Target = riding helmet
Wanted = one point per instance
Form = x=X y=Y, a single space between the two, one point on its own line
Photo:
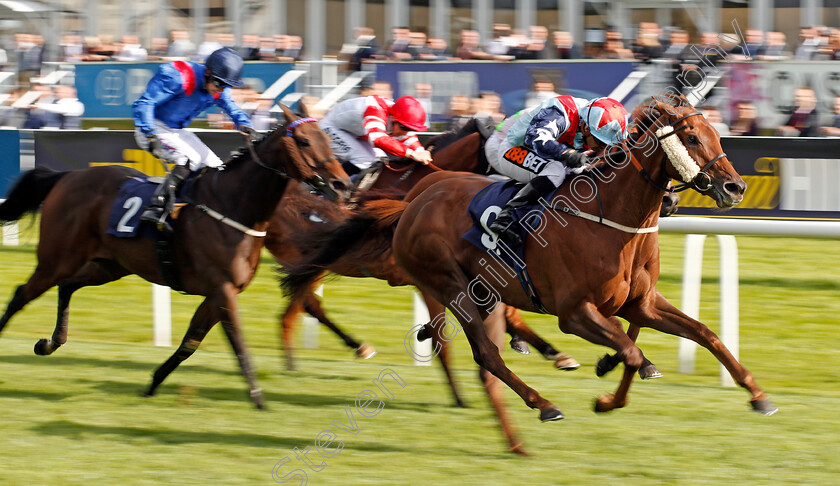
x=607 y=120
x=225 y=65
x=410 y=113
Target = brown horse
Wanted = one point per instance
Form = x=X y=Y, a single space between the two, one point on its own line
x=593 y=257
x=215 y=257
x=302 y=217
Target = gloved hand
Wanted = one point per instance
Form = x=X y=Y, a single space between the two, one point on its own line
x=420 y=155
x=248 y=132
x=155 y=147
x=574 y=159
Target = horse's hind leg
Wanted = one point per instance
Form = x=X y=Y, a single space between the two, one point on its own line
x=435 y=330
x=664 y=317
x=495 y=325
x=288 y=322
x=91 y=274
x=39 y=282
x=312 y=305
x=516 y=325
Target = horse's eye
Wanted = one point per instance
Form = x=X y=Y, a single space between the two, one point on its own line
x=303 y=143
x=693 y=140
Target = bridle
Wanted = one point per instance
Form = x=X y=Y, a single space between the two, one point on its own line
x=316 y=180
x=702 y=181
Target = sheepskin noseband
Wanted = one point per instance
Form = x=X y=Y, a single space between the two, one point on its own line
x=687 y=167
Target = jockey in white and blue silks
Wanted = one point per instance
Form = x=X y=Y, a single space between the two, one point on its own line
x=176 y=94
x=539 y=145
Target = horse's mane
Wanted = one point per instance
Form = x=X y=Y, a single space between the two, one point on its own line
x=243 y=153
x=451 y=136
x=648 y=111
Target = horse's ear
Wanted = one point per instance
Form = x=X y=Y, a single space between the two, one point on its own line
x=289 y=114
x=304 y=112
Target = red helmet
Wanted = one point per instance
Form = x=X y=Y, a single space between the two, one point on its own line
x=410 y=113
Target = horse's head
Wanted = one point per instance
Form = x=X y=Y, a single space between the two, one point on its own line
x=309 y=156
x=691 y=147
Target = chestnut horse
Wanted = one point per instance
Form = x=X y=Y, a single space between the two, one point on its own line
x=593 y=258
x=302 y=216
x=216 y=256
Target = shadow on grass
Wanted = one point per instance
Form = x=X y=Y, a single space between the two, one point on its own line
x=75 y=430
x=70 y=361
x=40 y=395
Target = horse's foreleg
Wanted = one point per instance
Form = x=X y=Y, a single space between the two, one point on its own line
x=516 y=325
x=231 y=325
x=205 y=317
x=486 y=355
x=91 y=274
x=608 y=362
x=663 y=316
x=588 y=323
x=435 y=332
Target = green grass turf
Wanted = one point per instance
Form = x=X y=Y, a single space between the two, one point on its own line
x=76 y=417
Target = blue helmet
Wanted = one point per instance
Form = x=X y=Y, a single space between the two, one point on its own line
x=225 y=65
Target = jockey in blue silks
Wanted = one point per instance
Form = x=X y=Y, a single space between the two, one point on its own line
x=539 y=145
x=177 y=93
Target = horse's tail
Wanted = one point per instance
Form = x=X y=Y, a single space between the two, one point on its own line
x=28 y=193
x=373 y=223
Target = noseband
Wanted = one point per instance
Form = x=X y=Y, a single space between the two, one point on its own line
x=702 y=175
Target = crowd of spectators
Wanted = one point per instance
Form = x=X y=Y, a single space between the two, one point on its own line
x=672 y=47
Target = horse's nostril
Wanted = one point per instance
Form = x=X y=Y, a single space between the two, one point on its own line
x=338 y=186
x=735 y=188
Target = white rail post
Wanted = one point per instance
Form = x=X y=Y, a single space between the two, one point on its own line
x=311 y=325
x=11 y=234
x=162 y=310
x=421 y=316
x=692 y=279
x=729 y=310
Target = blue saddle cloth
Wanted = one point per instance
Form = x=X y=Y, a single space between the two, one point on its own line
x=484 y=208
x=124 y=221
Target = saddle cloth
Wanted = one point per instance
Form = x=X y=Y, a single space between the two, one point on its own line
x=484 y=208
x=135 y=194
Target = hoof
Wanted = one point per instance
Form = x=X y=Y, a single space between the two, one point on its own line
x=257 y=397
x=550 y=413
x=365 y=351
x=606 y=364
x=519 y=449
x=649 y=372
x=519 y=346
x=764 y=406
x=605 y=403
x=147 y=393
x=460 y=403
x=565 y=362
x=424 y=333
x=42 y=347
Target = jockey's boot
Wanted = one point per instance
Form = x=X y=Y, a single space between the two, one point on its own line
x=539 y=186
x=163 y=199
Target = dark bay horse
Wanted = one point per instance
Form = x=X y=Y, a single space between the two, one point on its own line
x=214 y=259
x=588 y=270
